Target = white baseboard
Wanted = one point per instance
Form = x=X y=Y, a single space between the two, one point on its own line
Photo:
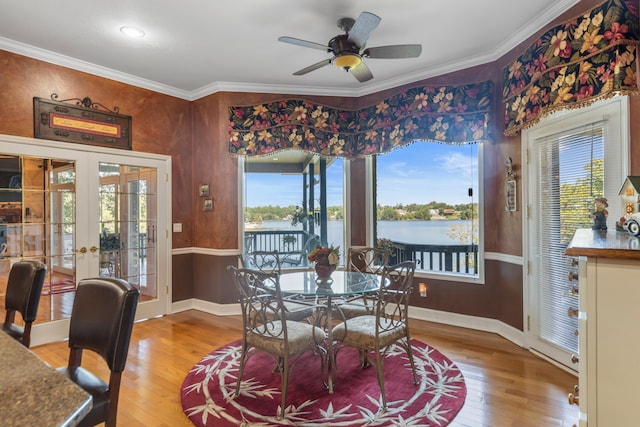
x=471 y=322
x=207 y=307
x=184 y=305
x=464 y=321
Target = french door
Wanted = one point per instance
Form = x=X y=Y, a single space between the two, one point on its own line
x=572 y=159
x=86 y=212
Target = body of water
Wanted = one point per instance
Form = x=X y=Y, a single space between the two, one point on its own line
x=415 y=232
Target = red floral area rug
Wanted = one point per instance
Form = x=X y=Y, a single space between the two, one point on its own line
x=208 y=391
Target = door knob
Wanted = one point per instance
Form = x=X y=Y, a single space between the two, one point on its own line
x=82 y=250
x=93 y=249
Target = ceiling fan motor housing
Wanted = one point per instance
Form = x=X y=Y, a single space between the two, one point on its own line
x=342 y=47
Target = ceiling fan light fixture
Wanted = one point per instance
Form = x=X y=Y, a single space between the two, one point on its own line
x=347 y=61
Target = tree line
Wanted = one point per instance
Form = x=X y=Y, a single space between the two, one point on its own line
x=399 y=212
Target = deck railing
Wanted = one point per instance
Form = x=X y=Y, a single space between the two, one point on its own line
x=437 y=258
x=294 y=245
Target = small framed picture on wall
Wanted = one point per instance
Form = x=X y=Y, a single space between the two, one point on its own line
x=207 y=205
x=204 y=190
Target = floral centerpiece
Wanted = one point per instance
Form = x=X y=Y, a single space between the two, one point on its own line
x=326 y=260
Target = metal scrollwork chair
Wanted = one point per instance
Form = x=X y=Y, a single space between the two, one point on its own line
x=364 y=260
x=269 y=262
x=24 y=287
x=102 y=319
x=374 y=334
x=367 y=260
x=266 y=328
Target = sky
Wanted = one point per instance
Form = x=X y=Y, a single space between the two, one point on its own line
x=419 y=173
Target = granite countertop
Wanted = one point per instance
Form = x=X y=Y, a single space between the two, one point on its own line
x=604 y=244
x=32 y=393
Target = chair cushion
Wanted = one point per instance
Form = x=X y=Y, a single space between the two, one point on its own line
x=297 y=311
x=360 y=332
x=294 y=311
x=96 y=387
x=302 y=337
x=349 y=310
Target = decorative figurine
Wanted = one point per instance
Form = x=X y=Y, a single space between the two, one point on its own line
x=600 y=214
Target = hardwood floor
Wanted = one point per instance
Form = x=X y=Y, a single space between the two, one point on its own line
x=507 y=385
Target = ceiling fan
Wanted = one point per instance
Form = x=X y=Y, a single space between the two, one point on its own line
x=349 y=49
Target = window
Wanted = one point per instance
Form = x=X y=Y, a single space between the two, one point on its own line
x=283 y=205
x=427 y=206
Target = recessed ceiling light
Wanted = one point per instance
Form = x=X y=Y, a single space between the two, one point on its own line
x=132 y=32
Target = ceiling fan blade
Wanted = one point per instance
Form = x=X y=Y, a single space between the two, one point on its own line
x=359 y=33
x=303 y=43
x=313 y=67
x=393 y=52
x=361 y=72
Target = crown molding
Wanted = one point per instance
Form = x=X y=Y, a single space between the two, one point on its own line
x=87 y=67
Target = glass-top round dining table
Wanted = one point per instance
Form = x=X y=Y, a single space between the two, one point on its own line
x=341 y=285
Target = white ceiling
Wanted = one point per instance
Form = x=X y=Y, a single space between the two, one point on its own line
x=193 y=48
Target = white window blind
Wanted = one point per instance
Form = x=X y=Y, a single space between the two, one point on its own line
x=570 y=176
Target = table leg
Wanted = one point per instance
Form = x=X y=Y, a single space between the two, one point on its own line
x=331 y=363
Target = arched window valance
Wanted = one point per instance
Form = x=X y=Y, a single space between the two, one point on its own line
x=446 y=114
x=571 y=65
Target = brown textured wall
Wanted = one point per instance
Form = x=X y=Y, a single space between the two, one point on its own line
x=500 y=297
x=161 y=124
x=182 y=277
x=358 y=203
x=211 y=279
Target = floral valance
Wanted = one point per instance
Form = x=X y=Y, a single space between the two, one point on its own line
x=573 y=64
x=446 y=114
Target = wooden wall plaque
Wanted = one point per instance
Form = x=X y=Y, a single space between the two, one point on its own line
x=81 y=123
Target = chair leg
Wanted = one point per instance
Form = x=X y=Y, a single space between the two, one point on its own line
x=363 y=358
x=26 y=335
x=243 y=359
x=409 y=350
x=284 y=378
x=114 y=392
x=380 y=375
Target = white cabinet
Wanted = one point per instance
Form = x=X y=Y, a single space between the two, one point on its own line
x=609 y=320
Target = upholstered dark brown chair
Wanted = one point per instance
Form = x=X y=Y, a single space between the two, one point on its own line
x=23 y=296
x=101 y=321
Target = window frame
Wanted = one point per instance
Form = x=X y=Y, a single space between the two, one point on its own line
x=371 y=222
x=346 y=191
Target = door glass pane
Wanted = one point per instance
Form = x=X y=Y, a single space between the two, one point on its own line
x=128 y=225
x=37 y=205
